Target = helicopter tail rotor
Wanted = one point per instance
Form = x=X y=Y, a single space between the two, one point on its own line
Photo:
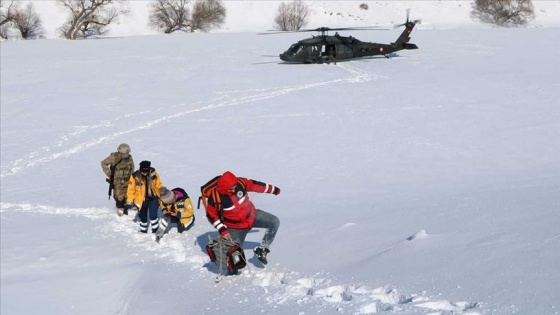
x=408 y=22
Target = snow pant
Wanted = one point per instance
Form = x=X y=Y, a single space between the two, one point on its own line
x=149 y=210
x=169 y=221
x=264 y=220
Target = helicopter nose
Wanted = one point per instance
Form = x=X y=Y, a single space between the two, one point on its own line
x=283 y=57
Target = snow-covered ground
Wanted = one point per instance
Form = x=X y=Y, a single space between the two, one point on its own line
x=428 y=183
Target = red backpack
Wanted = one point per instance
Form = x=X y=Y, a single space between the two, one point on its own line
x=226 y=253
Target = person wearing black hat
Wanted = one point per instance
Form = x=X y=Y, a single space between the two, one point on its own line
x=143 y=194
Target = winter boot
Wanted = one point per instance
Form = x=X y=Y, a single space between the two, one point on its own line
x=159 y=235
x=261 y=254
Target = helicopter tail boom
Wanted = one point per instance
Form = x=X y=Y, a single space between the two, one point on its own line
x=403 y=40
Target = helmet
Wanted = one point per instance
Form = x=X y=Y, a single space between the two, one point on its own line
x=124 y=148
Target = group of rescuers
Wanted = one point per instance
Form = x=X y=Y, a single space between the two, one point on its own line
x=163 y=209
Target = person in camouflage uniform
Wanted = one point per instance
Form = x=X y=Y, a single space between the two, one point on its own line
x=123 y=165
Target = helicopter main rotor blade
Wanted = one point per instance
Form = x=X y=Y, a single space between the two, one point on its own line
x=327 y=29
x=277 y=32
x=359 y=28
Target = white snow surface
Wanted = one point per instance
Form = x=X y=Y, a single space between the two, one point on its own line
x=427 y=183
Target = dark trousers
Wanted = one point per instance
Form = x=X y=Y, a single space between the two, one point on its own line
x=168 y=222
x=149 y=209
x=120 y=203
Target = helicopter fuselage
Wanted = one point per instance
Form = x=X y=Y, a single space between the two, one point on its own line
x=332 y=48
x=327 y=48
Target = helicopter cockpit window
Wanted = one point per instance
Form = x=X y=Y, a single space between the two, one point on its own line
x=295 y=48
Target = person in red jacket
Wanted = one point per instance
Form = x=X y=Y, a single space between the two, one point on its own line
x=235 y=215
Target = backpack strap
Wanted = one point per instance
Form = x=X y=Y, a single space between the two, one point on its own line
x=216 y=196
x=210 y=189
x=242 y=183
x=205 y=191
x=217 y=200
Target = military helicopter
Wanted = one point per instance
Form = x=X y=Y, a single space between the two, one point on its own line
x=325 y=48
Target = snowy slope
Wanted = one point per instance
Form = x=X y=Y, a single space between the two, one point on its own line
x=423 y=184
x=257 y=16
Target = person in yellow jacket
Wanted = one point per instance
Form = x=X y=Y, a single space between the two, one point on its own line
x=143 y=194
x=177 y=211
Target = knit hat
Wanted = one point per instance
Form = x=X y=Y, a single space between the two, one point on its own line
x=145 y=166
x=167 y=196
x=124 y=148
x=225 y=182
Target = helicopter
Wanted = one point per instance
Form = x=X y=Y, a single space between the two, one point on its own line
x=325 y=48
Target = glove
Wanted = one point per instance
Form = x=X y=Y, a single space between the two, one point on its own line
x=226 y=236
x=276 y=191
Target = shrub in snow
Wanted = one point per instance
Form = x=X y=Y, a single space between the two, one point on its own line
x=292 y=16
x=208 y=14
x=169 y=15
x=90 y=17
x=503 y=12
x=28 y=23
